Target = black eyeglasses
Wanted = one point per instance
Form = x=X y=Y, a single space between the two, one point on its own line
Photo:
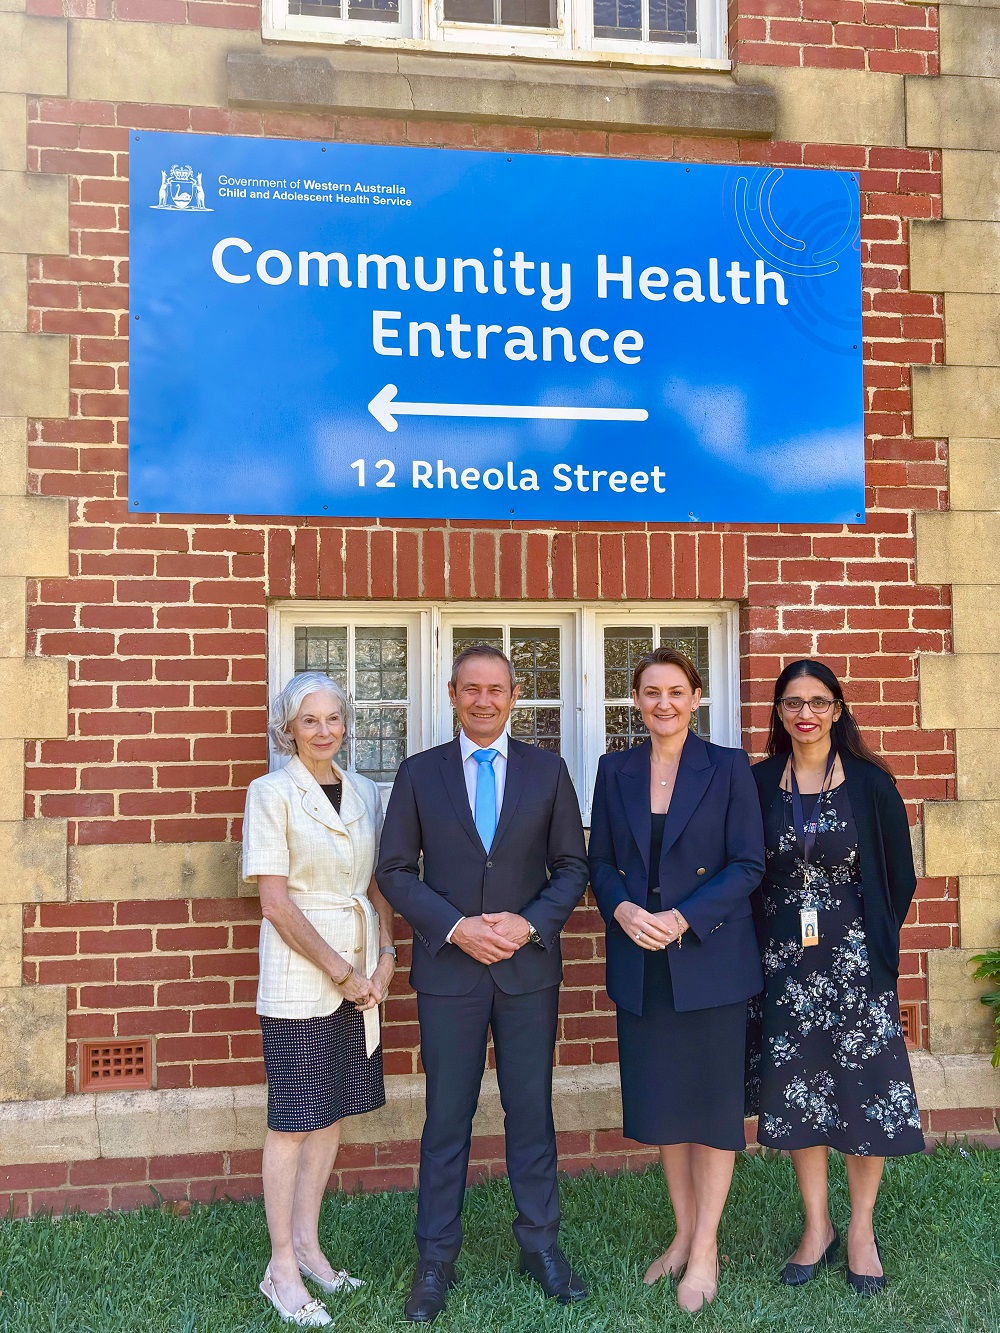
x=819 y=705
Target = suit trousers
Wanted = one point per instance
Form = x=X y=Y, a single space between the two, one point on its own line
x=453 y=1033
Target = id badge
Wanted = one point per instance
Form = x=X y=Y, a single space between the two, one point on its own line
x=809 y=926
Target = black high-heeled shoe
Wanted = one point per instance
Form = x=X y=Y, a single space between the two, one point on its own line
x=797 y=1275
x=867 y=1284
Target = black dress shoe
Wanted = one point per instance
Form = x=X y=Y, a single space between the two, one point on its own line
x=429 y=1292
x=550 y=1269
x=867 y=1284
x=797 y=1275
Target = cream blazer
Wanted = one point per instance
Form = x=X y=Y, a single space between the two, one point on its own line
x=291 y=829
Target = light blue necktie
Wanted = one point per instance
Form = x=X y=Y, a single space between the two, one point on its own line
x=486 y=796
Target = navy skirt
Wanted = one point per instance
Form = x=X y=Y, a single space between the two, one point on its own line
x=318 y=1070
x=682 y=1073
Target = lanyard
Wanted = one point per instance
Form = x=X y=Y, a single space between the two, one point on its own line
x=805 y=833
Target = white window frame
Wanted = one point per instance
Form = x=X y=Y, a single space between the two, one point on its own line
x=422 y=27
x=429 y=718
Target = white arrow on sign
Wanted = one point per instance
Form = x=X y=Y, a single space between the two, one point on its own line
x=385 y=409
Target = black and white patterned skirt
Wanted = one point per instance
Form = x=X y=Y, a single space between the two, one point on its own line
x=318 y=1070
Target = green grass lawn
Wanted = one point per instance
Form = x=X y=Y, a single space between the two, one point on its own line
x=938 y=1220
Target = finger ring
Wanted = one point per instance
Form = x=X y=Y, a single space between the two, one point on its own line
x=640 y=936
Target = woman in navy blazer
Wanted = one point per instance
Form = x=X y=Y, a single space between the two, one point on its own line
x=676 y=849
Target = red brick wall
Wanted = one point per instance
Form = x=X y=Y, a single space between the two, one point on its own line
x=886 y=36
x=164 y=620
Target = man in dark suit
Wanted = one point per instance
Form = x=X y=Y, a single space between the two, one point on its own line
x=504 y=864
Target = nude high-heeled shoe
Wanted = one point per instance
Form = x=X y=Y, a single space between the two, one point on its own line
x=663 y=1267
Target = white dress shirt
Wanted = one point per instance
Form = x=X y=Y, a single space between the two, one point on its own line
x=470 y=767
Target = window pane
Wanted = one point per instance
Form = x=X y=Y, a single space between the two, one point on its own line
x=517 y=13
x=469 y=11
x=465 y=638
x=319 y=649
x=535 y=654
x=622 y=649
x=380 y=744
x=693 y=643
x=528 y=13
x=537 y=726
x=623 y=727
x=374 y=11
x=673 y=21
x=620 y=20
x=380 y=663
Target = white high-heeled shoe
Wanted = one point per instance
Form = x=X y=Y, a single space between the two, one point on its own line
x=341 y=1280
x=313 y=1314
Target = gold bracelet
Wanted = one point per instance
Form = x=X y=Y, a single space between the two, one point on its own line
x=680 y=928
x=345 y=978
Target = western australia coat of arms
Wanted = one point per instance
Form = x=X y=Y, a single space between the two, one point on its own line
x=181 y=191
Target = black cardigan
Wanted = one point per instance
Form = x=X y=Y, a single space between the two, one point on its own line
x=887 y=875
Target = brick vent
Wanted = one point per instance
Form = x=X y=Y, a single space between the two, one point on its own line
x=909 y=1019
x=105 y=1066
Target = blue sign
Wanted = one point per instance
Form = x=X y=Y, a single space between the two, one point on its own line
x=417 y=332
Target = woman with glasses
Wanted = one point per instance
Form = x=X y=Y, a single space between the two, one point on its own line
x=834 y=1072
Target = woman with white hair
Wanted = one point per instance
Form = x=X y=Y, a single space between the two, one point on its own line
x=310 y=840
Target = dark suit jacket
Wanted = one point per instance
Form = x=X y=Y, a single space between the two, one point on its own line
x=884 y=847
x=537 y=865
x=712 y=860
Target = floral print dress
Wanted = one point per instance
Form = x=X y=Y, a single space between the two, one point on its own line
x=833 y=1065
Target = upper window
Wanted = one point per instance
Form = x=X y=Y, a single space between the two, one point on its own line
x=670 y=28
x=574 y=668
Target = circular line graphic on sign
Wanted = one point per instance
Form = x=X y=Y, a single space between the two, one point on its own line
x=755 y=198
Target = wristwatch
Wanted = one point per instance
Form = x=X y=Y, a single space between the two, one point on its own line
x=534 y=937
x=387 y=948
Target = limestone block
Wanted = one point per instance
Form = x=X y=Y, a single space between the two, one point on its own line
x=949 y=1082
x=956 y=400
x=951 y=112
x=12 y=617
x=33 y=855
x=959 y=1024
x=971 y=184
x=13 y=131
x=972 y=330
x=974 y=474
x=35 y=382
x=154 y=870
x=32 y=55
x=957 y=547
x=977 y=767
x=11 y=931
x=970 y=40
x=962 y=837
x=33 y=693
x=957 y=692
x=13 y=455
x=366 y=82
x=979 y=911
x=13 y=6
x=34 y=214
x=11 y=780
x=976 y=618
x=64 y=1129
x=34 y=536
x=172 y=63
x=33 y=1043
x=13 y=293
x=833 y=105
x=955 y=256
